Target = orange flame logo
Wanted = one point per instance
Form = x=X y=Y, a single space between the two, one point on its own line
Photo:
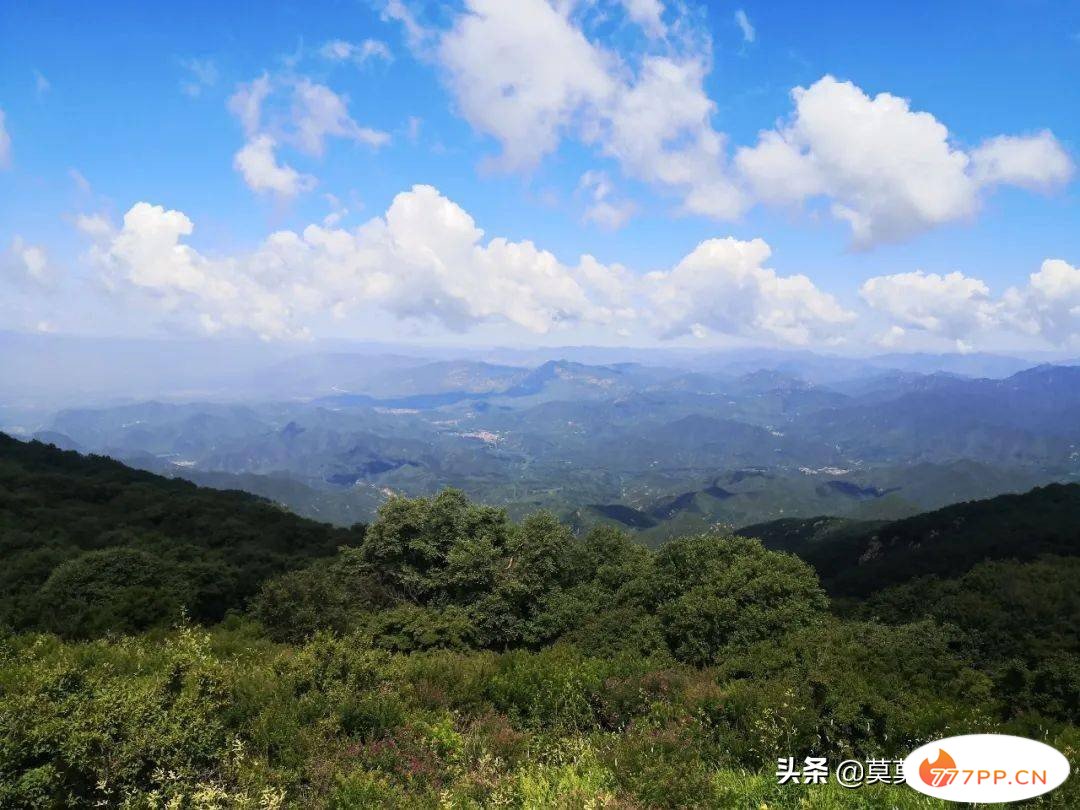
x=940 y=772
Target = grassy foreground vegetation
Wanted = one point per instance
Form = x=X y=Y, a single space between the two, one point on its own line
x=445 y=656
x=225 y=718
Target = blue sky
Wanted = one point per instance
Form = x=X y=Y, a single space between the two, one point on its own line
x=917 y=218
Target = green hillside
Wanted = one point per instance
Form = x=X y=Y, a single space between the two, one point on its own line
x=447 y=656
x=90 y=545
x=857 y=558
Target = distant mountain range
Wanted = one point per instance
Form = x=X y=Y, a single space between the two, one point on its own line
x=733 y=438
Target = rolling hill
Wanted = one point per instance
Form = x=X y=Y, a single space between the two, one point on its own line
x=71 y=525
x=858 y=558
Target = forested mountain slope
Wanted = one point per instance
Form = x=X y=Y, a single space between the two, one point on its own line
x=70 y=524
x=856 y=558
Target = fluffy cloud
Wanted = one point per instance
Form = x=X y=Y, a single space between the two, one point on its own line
x=522 y=72
x=961 y=308
x=659 y=129
x=529 y=75
x=306 y=115
x=723 y=286
x=778 y=172
x=5 y=144
x=432 y=264
x=425 y=259
x=1035 y=162
x=319 y=113
x=952 y=305
x=526 y=74
x=148 y=254
x=888 y=170
x=260 y=169
x=1049 y=306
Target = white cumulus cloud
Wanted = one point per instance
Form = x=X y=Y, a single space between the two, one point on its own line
x=426 y=260
x=423 y=259
x=659 y=129
x=723 y=286
x=523 y=73
x=1036 y=162
x=889 y=171
x=1049 y=306
x=262 y=172
x=526 y=74
x=961 y=308
x=951 y=305
x=148 y=254
x=529 y=75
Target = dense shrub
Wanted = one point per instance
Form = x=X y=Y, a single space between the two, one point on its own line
x=221 y=719
x=721 y=591
x=444 y=573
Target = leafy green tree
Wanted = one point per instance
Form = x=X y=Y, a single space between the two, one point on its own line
x=715 y=591
x=614 y=561
x=539 y=550
x=410 y=627
x=433 y=549
x=115 y=589
x=328 y=595
x=605 y=605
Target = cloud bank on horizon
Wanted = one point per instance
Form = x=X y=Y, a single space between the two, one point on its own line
x=541 y=79
x=425 y=258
